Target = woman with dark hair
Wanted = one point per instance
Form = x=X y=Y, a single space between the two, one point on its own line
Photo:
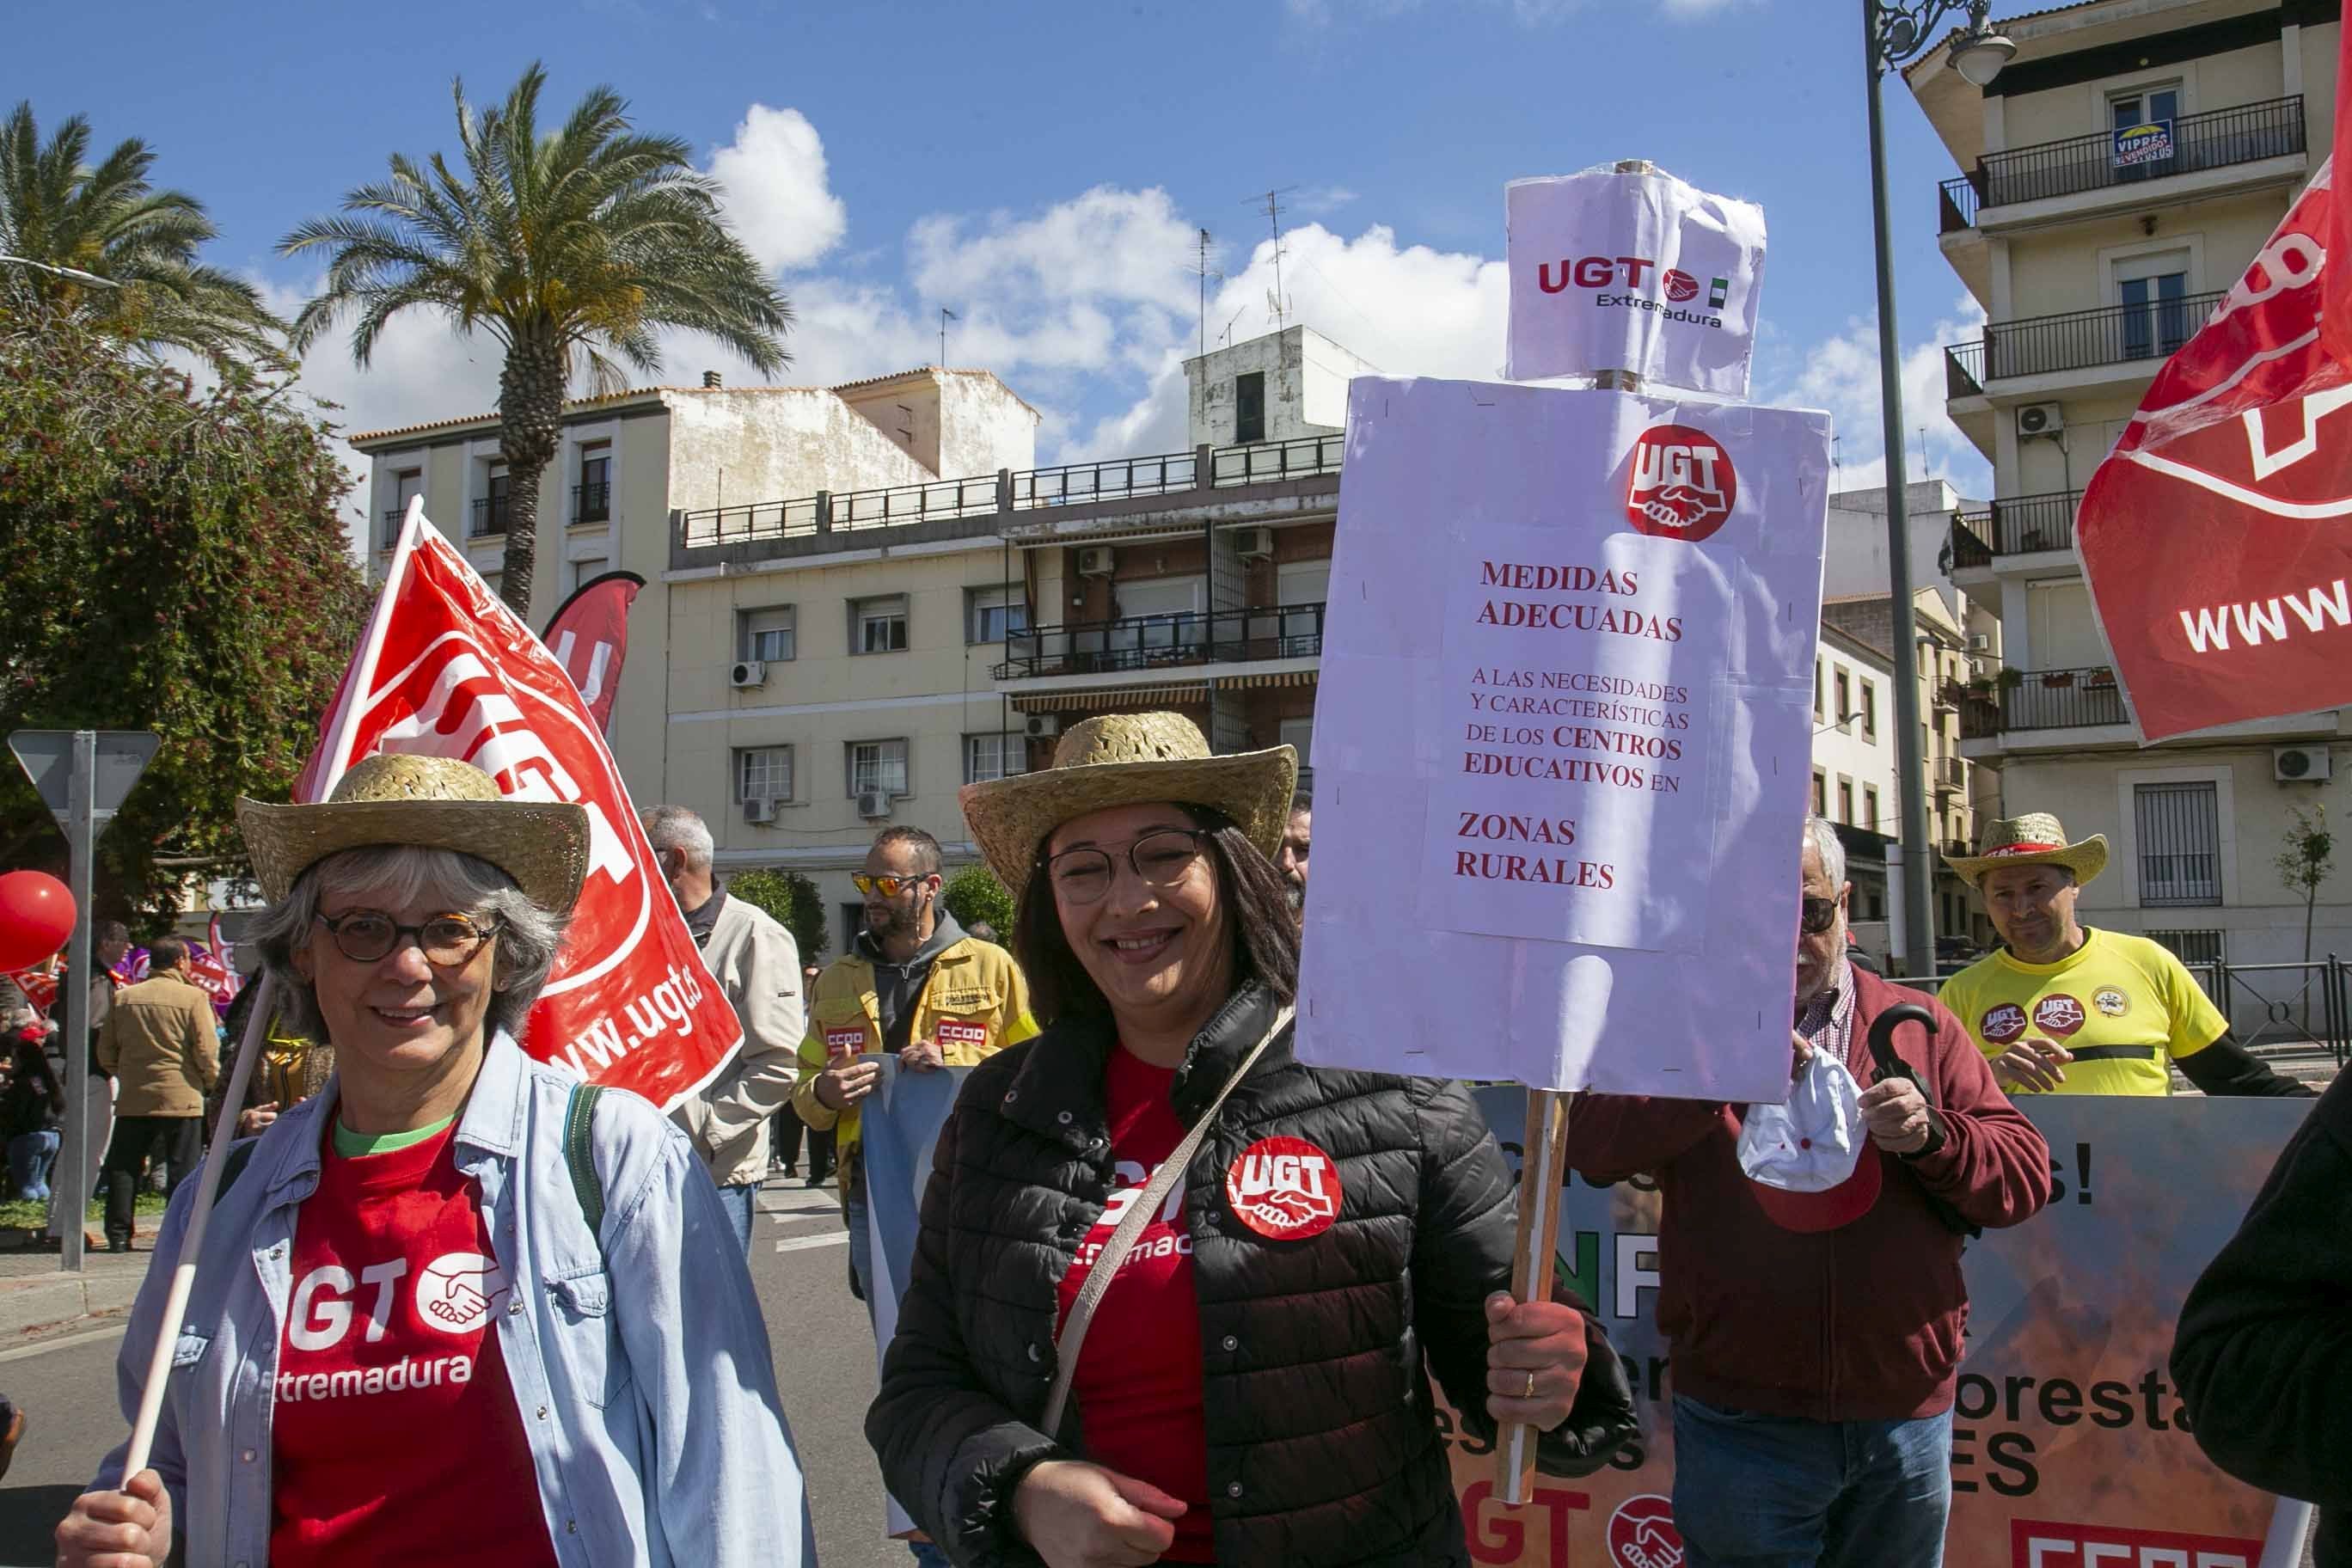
x=455 y=1307
x=1278 y=1256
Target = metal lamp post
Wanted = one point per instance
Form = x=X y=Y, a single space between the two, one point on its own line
x=1891 y=35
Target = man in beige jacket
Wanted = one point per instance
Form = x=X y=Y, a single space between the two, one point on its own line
x=757 y=967
x=163 y=1048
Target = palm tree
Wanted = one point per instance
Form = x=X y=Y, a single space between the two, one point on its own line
x=569 y=248
x=102 y=243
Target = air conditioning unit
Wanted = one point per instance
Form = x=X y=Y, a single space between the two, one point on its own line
x=1097 y=561
x=1042 y=726
x=1980 y=642
x=2300 y=764
x=759 y=808
x=748 y=672
x=2041 y=419
x=872 y=803
x=1257 y=544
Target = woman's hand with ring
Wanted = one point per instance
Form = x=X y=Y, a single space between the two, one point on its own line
x=1535 y=1360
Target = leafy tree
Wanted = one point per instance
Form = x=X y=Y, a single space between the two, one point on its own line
x=171 y=561
x=790 y=900
x=569 y=248
x=97 y=242
x=973 y=894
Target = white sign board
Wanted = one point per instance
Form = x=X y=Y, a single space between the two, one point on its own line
x=1634 y=272
x=1563 y=739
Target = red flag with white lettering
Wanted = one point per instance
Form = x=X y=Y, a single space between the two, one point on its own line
x=2336 y=327
x=39 y=986
x=590 y=635
x=2217 y=536
x=446 y=670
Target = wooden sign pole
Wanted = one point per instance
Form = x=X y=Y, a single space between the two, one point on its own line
x=1543 y=1172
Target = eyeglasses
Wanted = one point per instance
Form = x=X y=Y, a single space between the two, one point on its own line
x=888 y=887
x=448 y=941
x=1816 y=915
x=1161 y=857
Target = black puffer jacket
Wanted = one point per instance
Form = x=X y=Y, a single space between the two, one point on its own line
x=1323 y=1447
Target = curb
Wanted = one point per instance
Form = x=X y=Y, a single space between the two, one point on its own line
x=30 y=1305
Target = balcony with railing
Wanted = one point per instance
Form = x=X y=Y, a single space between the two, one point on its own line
x=1149 y=643
x=1067 y=485
x=2218 y=138
x=592 y=502
x=489 y=516
x=391 y=521
x=2045 y=700
x=2075 y=340
x=2016 y=525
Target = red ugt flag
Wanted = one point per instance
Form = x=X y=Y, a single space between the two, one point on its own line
x=447 y=670
x=590 y=635
x=2217 y=536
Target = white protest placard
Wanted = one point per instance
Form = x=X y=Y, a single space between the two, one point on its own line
x=1636 y=272
x=1567 y=686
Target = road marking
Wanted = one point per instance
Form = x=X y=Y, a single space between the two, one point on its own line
x=67 y=1341
x=783 y=1216
x=802 y=1243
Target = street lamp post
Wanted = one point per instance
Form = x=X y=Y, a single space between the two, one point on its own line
x=1892 y=34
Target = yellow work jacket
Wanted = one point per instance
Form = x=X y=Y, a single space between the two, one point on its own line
x=974 y=1003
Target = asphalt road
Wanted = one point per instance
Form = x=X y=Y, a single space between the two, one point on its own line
x=824 y=1365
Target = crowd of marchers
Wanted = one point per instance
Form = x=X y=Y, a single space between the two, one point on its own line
x=452 y=1303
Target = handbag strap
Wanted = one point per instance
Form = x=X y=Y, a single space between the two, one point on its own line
x=1132 y=1225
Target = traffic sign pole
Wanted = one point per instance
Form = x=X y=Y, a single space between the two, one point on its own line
x=81 y=838
x=82 y=776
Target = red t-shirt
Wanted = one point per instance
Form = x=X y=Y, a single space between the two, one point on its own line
x=396 y=1438
x=1139 y=1378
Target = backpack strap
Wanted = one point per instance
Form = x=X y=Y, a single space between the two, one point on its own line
x=579 y=1157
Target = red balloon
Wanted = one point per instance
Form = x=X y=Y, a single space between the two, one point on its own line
x=37 y=917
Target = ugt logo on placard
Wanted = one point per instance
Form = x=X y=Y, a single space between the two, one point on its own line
x=1682 y=484
x=1641 y=1533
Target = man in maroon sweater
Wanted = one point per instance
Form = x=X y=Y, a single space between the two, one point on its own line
x=1813 y=1367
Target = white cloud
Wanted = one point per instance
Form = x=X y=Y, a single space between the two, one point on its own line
x=1840 y=375
x=772 y=177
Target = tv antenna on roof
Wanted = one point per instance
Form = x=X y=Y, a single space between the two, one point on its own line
x=1202 y=270
x=946 y=316
x=1277 y=305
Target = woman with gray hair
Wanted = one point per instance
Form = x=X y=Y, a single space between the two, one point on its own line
x=442 y=1309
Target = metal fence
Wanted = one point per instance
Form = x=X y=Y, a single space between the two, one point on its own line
x=1149 y=642
x=2214 y=139
x=2045 y=699
x=2271 y=1008
x=2076 y=339
x=1070 y=484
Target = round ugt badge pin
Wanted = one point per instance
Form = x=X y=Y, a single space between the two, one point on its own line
x=1284 y=1188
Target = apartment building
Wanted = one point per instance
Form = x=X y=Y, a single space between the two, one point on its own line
x=771 y=692
x=2118 y=175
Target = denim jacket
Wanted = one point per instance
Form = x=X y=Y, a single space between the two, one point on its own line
x=642 y=1373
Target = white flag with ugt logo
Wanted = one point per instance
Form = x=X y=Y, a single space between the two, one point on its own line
x=446 y=669
x=1633 y=273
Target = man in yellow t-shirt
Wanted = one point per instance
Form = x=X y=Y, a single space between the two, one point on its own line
x=2065 y=1010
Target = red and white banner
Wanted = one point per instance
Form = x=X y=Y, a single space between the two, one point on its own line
x=2217 y=536
x=590 y=635
x=446 y=669
x=210 y=971
x=39 y=986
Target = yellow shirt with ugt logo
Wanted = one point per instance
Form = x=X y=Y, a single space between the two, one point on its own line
x=2122 y=1004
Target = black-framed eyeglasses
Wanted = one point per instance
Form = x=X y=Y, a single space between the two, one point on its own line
x=448 y=941
x=1816 y=915
x=1161 y=857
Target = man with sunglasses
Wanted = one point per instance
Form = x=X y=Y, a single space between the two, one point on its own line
x=914 y=984
x=1815 y=1334
x=162 y=1045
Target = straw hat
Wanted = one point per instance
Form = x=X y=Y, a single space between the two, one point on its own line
x=428 y=802
x=2034 y=839
x=1127 y=759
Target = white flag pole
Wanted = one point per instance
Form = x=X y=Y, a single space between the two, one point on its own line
x=342 y=727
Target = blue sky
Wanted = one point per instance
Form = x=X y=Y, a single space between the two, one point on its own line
x=1042 y=169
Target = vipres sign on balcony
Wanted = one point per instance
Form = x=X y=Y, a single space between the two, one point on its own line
x=1567 y=688
x=1635 y=272
x=2147 y=144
